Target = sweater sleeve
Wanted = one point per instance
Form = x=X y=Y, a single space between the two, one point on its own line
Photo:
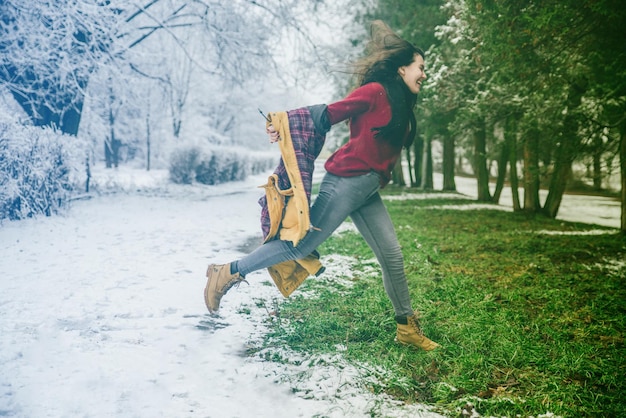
x=359 y=101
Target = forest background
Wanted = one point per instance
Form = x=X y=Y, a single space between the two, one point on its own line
x=538 y=87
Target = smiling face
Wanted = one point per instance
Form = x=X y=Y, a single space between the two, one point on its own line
x=413 y=74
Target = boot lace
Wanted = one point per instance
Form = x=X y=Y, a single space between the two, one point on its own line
x=234 y=282
x=415 y=324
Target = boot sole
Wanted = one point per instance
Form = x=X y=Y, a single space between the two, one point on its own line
x=416 y=346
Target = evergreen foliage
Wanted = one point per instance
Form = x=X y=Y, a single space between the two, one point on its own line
x=539 y=87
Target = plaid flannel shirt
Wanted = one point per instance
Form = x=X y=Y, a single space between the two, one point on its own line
x=307 y=144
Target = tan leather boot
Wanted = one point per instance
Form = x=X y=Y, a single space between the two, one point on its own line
x=411 y=334
x=219 y=281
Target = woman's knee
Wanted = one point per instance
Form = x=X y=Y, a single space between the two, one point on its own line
x=392 y=255
x=305 y=247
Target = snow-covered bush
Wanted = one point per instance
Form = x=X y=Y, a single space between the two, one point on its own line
x=183 y=163
x=35 y=171
x=216 y=165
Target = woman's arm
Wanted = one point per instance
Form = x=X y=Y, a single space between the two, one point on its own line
x=357 y=102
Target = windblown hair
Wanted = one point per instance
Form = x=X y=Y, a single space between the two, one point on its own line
x=385 y=53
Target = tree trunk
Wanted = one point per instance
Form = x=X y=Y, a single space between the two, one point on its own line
x=502 y=162
x=448 y=164
x=531 y=171
x=418 y=152
x=410 y=166
x=111 y=151
x=509 y=137
x=397 y=174
x=87 y=173
x=622 y=155
x=427 y=166
x=480 y=162
x=58 y=109
x=566 y=151
x=597 y=163
x=148 y=140
x=561 y=175
x=111 y=145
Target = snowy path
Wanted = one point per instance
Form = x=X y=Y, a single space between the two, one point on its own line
x=101 y=314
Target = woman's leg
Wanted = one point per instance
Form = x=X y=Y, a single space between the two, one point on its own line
x=337 y=198
x=373 y=222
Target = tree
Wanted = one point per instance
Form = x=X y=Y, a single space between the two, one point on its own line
x=49 y=53
x=622 y=154
x=536 y=61
x=549 y=74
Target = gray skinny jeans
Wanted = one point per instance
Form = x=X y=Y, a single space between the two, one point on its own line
x=338 y=198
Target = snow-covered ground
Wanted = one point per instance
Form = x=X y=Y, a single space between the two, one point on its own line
x=102 y=314
x=594 y=210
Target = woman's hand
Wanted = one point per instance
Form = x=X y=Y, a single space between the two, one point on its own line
x=273 y=133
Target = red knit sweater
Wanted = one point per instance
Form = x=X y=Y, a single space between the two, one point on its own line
x=367 y=107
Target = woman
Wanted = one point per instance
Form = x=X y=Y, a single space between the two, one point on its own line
x=381 y=119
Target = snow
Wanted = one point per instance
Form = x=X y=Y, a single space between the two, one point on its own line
x=102 y=314
x=593 y=210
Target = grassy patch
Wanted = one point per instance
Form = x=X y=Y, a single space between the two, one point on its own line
x=531 y=312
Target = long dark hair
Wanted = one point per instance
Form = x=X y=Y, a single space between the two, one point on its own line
x=385 y=53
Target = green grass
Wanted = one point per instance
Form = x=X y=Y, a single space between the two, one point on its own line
x=529 y=322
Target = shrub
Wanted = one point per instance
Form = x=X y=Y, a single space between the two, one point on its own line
x=216 y=165
x=35 y=168
x=183 y=163
x=207 y=170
